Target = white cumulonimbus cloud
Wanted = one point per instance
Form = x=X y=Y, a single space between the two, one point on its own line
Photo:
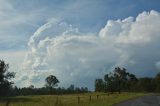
x=79 y=58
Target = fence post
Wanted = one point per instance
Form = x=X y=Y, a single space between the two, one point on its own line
x=97 y=97
x=78 y=99
x=90 y=98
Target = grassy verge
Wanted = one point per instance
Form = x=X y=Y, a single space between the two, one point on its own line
x=89 y=99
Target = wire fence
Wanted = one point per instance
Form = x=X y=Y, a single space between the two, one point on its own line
x=78 y=99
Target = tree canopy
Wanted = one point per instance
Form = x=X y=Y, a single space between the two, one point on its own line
x=120 y=80
x=5 y=79
x=51 y=81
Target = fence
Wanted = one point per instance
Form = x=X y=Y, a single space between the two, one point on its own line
x=91 y=98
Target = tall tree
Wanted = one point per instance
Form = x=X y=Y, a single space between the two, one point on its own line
x=120 y=77
x=118 y=80
x=51 y=82
x=99 y=85
x=109 y=83
x=5 y=79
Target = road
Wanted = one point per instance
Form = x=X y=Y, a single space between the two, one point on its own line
x=150 y=100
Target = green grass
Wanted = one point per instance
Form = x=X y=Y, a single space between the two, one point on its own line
x=69 y=100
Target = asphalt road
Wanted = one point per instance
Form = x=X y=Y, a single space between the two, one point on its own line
x=150 y=100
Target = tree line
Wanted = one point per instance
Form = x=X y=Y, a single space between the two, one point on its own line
x=120 y=80
x=51 y=85
x=31 y=90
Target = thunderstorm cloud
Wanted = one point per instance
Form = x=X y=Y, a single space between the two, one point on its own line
x=79 y=58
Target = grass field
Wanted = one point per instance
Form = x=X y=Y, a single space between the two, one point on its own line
x=88 y=99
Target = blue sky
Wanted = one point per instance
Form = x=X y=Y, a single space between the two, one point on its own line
x=88 y=16
x=30 y=29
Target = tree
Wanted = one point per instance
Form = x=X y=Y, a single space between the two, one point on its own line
x=158 y=75
x=99 y=85
x=51 y=82
x=109 y=83
x=145 y=84
x=31 y=87
x=119 y=80
x=157 y=82
x=71 y=88
x=5 y=79
x=132 y=82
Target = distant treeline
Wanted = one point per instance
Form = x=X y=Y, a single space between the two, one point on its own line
x=117 y=81
x=46 y=91
x=121 y=80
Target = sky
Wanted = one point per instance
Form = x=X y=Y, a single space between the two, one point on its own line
x=79 y=40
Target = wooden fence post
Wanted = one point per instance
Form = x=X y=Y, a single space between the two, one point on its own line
x=78 y=99
x=97 y=97
x=90 y=98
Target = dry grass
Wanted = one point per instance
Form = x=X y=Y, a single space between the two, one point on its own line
x=69 y=100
